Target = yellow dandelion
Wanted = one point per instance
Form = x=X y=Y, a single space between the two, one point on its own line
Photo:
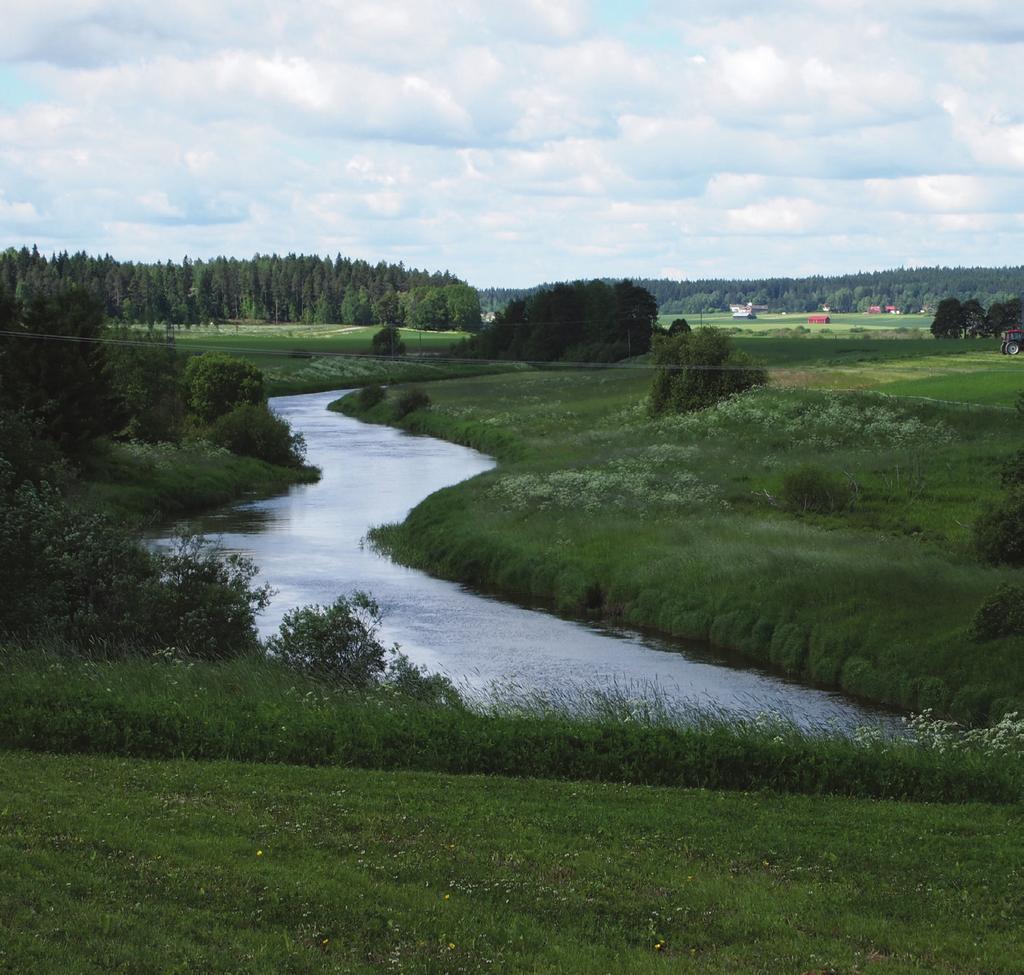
x=259 y=853
x=451 y=945
x=447 y=896
x=326 y=941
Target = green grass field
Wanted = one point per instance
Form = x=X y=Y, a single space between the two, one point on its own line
x=677 y=524
x=117 y=865
x=840 y=324
x=307 y=359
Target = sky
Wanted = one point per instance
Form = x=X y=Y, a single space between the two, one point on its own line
x=520 y=141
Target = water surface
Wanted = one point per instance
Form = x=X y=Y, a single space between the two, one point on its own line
x=309 y=546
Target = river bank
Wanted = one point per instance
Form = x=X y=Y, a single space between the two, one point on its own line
x=149 y=482
x=675 y=525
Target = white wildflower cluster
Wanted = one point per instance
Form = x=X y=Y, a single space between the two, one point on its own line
x=1005 y=737
x=825 y=421
x=635 y=483
x=168 y=456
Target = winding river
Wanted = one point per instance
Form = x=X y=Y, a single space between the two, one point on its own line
x=308 y=545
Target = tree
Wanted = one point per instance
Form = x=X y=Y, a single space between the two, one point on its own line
x=679 y=325
x=388 y=341
x=973 y=318
x=216 y=383
x=1003 y=315
x=463 y=306
x=699 y=369
x=54 y=366
x=949 y=319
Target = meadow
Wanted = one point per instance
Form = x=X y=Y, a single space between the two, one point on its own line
x=129 y=865
x=678 y=524
x=309 y=359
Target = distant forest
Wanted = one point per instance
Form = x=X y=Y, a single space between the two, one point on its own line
x=295 y=288
x=909 y=289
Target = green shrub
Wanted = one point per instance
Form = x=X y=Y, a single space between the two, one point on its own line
x=215 y=383
x=811 y=488
x=202 y=601
x=1002 y=614
x=410 y=401
x=999 y=532
x=699 y=369
x=336 y=642
x=253 y=431
x=369 y=396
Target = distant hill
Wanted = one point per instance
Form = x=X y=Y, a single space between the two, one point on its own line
x=909 y=289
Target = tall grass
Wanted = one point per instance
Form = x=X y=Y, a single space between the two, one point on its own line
x=254 y=709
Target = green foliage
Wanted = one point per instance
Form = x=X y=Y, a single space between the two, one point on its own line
x=999 y=531
x=259 y=709
x=812 y=488
x=411 y=400
x=679 y=325
x=698 y=370
x=580 y=321
x=369 y=396
x=203 y=602
x=950 y=320
x=82 y=578
x=336 y=642
x=1001 y=614
x=215 y=383
x=254 y=431
x=61 y=381
x=388 y=342
x=148 y=382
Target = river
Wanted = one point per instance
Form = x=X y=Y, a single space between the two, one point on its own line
x=309 y=546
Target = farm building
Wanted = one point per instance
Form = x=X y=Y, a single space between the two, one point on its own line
x=875 y=310
x=819 y=320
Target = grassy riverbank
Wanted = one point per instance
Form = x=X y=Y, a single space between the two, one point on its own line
x=677 y=524
x=127 y=865
x=152 y=481
x=252 y=709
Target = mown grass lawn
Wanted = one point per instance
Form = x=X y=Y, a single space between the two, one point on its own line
x=117 y=865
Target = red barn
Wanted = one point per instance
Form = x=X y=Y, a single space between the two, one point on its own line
x=875 y=310
x=819 y=320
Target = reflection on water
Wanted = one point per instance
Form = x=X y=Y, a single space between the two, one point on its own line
x=308 y=545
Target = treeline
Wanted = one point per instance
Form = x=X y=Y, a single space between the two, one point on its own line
x=294 y=288
x=908 y=289
x=585 y=321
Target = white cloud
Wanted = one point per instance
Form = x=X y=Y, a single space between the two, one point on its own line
x=522 y=141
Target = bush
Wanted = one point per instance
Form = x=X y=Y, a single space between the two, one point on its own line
x=410 y=401
x=369 y=396
x=337 y=642
x=999 y=532
x=81 y=578
x=203 y=602
x=253 y=431
x=698 y=370
x=1002 y=614
x=388 y=341
x=811 y=488
x=216 y=383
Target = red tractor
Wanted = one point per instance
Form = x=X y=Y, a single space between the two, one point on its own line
x=1013 y=341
